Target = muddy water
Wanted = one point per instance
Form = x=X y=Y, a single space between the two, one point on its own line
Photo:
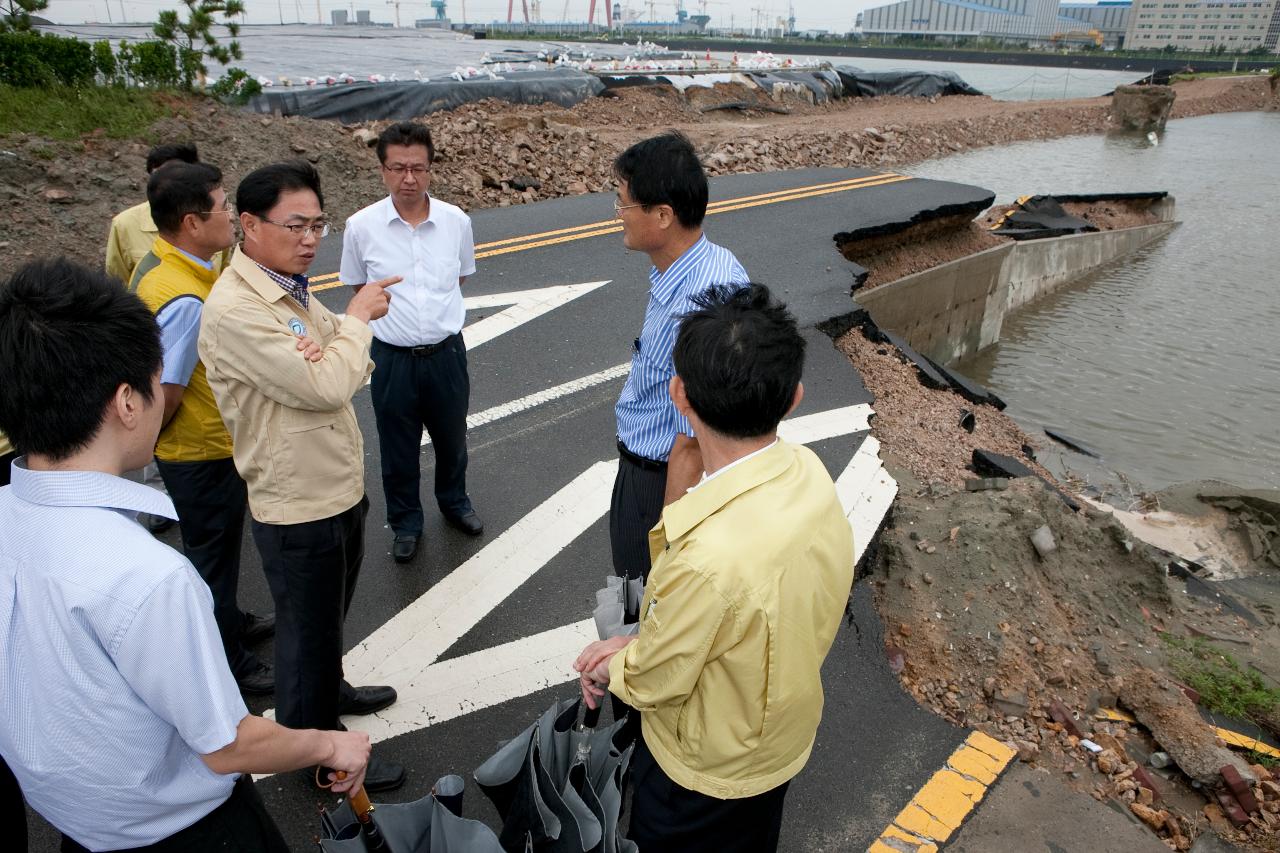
x=1167 y=362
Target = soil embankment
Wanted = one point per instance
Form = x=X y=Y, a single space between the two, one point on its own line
x=63 y=194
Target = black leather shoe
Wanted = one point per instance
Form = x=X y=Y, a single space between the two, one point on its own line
x=468 y=522
x=260 y=680
x=366 y=701
x=155 y=523
x=381 y=775
x=404 y=548
x=257 y=628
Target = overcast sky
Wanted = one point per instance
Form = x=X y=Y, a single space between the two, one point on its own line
x=810 y=14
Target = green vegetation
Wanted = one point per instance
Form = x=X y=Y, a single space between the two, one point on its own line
x=63 y=112
x=193 y=39
x=15 y=15
x=1225 y=687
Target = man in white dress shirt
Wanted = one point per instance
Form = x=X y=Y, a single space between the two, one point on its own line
x=118 y=713
x=421 y=375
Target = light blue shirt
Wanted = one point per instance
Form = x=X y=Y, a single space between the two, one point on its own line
x=179 y=321
x=113 y=681
x=647 y=419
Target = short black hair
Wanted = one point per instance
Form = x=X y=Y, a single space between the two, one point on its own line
x=178 y=189
x=183 y=152
x=69 y=338
x=665 y=170
x=740 y=356
x=261 y=188
x=405 y=133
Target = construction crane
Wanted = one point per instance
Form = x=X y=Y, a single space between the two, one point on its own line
x=524 y=4
x=439 y=6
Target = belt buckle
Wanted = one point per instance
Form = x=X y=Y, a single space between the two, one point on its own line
x=420 y=351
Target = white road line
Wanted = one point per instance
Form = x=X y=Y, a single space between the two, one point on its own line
x=538 y=398
x=480 y=680
x=419 y=634
x=524 y=305
x=866 y=492
x=823 y=425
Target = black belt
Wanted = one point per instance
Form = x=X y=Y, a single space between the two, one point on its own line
x=644 y=463
x=421 y=351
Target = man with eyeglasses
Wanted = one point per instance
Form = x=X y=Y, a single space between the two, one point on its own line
x=662 y=200
x=295 y=438
x=193 y=451
x=421 y=377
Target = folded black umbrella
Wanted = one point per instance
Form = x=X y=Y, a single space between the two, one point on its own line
x=559 y=785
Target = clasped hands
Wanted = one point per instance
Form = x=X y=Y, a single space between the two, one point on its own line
x=593 y=667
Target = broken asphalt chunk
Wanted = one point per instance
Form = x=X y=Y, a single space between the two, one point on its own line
x=1072 y=443
x=966 y=387
x=927 y=374
x=991 y=464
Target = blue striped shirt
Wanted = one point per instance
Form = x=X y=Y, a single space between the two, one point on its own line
x=647 y=419
x=113 y=681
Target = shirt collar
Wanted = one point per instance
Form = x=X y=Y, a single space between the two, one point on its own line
x=87 y=489
x=257 y=276
x=735 y=463
x=198 y=261
x=681 y=516
x=393 y=215
x=665 y=284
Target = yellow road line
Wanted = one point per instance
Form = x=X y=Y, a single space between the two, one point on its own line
x=1229 y=737
x=329 y=281
x=938 y=809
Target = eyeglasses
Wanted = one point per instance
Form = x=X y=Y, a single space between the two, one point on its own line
x=400 y=171
x=226 y=208
x=618 y=208
x=315 y=229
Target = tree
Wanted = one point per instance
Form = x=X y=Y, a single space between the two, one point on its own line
x=194 y=38
x=16 y=14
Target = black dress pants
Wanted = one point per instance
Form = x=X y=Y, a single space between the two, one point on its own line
x=636 y=506
x=312 y=568
x=410 y=392
x=673 y=819
x=211 y=499
x=242 y=824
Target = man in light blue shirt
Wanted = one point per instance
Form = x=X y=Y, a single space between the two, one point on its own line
x=662 y=200
x=118 y=713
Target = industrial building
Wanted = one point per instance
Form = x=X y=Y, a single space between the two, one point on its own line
x=1041 y=22
x=1237 y=26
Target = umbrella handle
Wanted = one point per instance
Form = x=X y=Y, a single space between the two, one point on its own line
x=358 y=799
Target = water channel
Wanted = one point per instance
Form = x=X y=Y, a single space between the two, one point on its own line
x=1167 y=361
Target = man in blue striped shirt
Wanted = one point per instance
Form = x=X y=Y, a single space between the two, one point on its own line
x=662 y=200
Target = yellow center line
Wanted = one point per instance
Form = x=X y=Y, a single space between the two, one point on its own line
x=599 y=229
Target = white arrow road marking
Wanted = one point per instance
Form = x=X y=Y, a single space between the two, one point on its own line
x=523 y=306
x=539 y=397
x=404 y=650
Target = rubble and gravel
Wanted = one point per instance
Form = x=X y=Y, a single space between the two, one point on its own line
x=63 y=194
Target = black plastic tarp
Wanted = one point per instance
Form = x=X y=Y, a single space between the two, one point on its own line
x=824 y=83
x=921 y=84
x=355 y=102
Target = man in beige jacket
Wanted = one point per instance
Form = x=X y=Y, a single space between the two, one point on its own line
x=284 y=369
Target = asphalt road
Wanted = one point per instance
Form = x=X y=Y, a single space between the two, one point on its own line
x=477 y=634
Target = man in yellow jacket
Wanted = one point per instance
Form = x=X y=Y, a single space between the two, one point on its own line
x=752 y=570
x=193 y=452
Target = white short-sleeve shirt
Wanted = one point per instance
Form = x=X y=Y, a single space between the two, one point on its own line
x=427 y=306
x=113 y=681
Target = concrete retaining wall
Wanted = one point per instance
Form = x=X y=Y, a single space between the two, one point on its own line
x=957 y=309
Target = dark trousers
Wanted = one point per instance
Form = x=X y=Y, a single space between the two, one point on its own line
x=312 y=570
x=13 y=812
x=410 y=392
x=240 y=825
x=635 y=508
x=673 y=819
x=211 y=499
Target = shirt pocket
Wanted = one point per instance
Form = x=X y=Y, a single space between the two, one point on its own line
x=443 y=275
x=316 y=446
